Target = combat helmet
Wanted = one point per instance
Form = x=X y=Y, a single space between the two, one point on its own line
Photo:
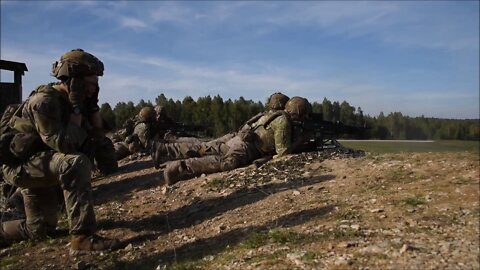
x=299 y=108
x=277 y=101
x=77 y=63
x=147 y=114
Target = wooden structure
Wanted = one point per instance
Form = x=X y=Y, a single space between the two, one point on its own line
x=11 y=92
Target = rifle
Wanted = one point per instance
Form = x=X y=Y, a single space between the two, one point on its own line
x=322 y=134
x=180 y=129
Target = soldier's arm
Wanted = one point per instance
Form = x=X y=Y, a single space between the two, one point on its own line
x=143 y=131
x=96 y=119
x=61 y=137
x=282 y=129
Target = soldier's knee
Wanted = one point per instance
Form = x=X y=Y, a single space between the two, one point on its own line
x=74 y=171
x=230 y=163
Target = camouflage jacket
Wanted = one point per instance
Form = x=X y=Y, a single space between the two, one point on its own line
x=274 y=133
x=47 y=112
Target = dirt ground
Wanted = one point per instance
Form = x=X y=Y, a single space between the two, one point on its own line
x=325 y=210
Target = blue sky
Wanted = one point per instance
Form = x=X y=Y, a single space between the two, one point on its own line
x=414 y=57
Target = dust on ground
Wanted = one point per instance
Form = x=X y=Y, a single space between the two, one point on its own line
x=322 y=210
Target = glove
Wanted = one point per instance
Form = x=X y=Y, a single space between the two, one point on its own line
x=76 y=94
x=91 y=103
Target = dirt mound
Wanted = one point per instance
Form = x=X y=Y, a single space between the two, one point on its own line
x=330 y=209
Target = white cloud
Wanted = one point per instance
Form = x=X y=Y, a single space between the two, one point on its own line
x=132 y=23
x=409 y=24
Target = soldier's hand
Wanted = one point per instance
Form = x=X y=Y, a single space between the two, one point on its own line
x=76 y=93
x=91 y=103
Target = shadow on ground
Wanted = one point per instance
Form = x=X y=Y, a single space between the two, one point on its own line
x=218 y=243
x=200 y=210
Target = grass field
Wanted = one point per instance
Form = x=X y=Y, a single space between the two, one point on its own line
x=413 y=146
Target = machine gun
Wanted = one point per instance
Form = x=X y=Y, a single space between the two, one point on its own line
x=180 y=129
x=321 y=134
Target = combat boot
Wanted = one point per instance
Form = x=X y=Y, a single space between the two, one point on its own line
x=159 y=154
x=90 y=243
x=192 y=167
x=175 y=171
x=15 y=201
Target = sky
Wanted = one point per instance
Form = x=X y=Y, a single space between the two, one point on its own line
x=414 y=57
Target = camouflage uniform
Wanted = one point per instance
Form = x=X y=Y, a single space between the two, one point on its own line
x=53 y=149
x=60 y=163
x=187 y=147
x=269 y=135
x=164 y=152
x=133 y=138
x=141 y=132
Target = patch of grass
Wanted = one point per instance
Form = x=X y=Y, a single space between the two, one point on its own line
x=337 y=235
x=401 y=175
x=226 y=257
x=413 y=201
x=310 y=256
x=219 y=183
x=255 y=240
x=259 y=239
x=8 y=262
x=282 y=237
x=412 y=146
x=215 y=183
x=23 y=244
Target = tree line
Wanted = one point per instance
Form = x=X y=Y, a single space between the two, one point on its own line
x=221 y=116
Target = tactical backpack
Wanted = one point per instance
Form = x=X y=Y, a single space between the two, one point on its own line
x=7 y=133
x=6 y=156
x=247 y=131
x=18 y=137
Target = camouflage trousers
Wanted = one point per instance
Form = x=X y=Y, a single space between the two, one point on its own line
x=39 y=178
x=121 y=150
x=192 y=147
x=236 y=153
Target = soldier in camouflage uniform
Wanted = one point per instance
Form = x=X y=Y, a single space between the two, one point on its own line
x=139 y=132
x=136 y=135
x=163 y=152
x=52 y=147
x=268 y=135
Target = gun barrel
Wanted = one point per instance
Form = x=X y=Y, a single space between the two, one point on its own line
x=328 y=128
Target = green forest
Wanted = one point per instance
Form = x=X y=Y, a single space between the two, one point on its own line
x=222 y=116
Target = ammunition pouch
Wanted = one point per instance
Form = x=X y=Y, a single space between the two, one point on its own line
x=24 y=145
x=247 y=135
x=6 y=156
